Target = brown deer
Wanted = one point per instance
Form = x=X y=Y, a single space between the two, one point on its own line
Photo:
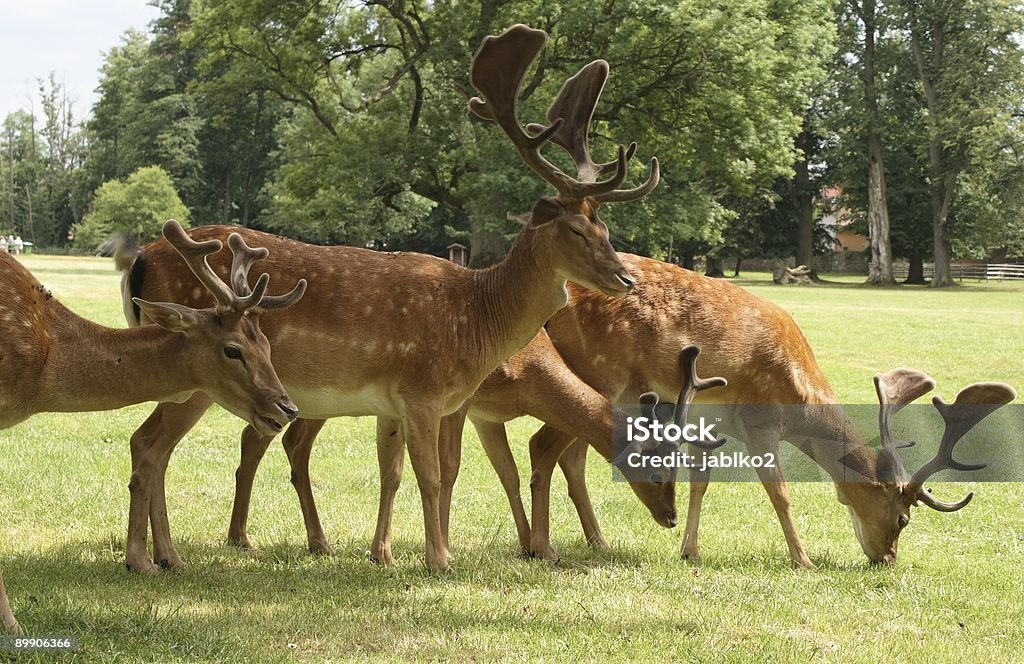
x=624 y=347
x=766 y=359
x=52 y=360
x=535 y=381
x=384 y=342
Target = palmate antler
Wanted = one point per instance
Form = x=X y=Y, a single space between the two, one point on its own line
x=237 y=297
x=497 y=72
x=974 y=403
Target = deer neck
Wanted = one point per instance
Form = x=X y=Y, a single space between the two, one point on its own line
x=836 y=445
x=91 y=367
x=517 y=296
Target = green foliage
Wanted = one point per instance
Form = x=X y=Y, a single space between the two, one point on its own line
x=716 y=92
x=135 y=208
x=976 y=71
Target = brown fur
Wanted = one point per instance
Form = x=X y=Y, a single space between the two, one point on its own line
x=403 y=336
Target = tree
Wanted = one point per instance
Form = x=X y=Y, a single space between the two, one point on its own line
x=377 y=138
x=968 y=60
x=857 y=113
x=136 y=209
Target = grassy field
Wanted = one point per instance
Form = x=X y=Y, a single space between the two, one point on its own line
x=956 y=594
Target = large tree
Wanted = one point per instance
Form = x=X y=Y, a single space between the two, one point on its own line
x=968 y=60
x=380 y=143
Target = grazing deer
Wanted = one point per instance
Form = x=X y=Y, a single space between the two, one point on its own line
x=766 y=359
x=406 y=336
x=536 y=382
x=52 y=360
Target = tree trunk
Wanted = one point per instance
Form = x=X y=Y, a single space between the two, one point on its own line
x=486 y=247
x=915 y=274
x=804 y=194
x=942 y=178
x=943 y=275
x=715 y=267
x=736 y=272
x=880 y=267
x=687 y=261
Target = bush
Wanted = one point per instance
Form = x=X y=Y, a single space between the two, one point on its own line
x=136 y=208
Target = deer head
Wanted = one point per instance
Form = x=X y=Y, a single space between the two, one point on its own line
x=230 y=354
x=583 y=253
x=881 y=509
x=656 y=486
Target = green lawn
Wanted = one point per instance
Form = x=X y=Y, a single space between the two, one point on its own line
x=956 y=594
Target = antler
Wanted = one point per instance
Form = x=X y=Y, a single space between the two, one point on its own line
x=497 y=72
x=895 y=389
x=575 y=105
x=692 y=384
x=238 y=297
x=243 y=258
x=973 y=404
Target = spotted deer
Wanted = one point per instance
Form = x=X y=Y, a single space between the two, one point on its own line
x=762 y=353
x=622 y=348
x=378 y=333
x=52 y=360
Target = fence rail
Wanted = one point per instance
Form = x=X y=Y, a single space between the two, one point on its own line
x=992 y=271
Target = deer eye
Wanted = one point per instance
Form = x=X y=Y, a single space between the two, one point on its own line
x=584 y=237
x=903 y=521
x=232 y=352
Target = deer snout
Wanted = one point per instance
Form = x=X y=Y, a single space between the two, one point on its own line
x=627 y=280
x=671 y=519
x=286 y=406
x=888 y=560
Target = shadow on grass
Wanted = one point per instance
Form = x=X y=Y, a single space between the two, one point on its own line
x=263 y=605
x=972 y=286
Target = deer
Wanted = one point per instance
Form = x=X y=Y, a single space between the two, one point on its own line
x=53 y=360
x=623 y=348
x=765 y=359
x=535 y=382
x=425 y=311
x=762 y=353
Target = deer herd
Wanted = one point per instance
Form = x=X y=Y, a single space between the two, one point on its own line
x=561 y=329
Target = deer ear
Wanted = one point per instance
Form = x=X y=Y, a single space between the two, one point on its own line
x=173 y=317
x=545 y=210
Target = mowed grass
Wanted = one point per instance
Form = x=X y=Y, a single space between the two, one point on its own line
x=956 y=594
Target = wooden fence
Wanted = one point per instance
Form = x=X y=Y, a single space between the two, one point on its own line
x=990 y=271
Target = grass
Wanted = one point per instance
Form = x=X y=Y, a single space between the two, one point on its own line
x=956 y=594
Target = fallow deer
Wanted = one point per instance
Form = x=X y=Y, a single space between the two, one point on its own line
x=765 y=357
x=52 y=360
x=622 y=348
x=535 y=381
x=384 y=342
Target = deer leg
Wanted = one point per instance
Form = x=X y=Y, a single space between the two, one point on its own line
x=151 y=446
x=390 y=459
x=699 y=481
x=298 y=443
x=420 y=428
x=164 y=553
x=778 y=492
x=495 y=442
x=449 y=446
x=253 y=446
x=546 y=446
x=6 y=615
x=574 y=466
